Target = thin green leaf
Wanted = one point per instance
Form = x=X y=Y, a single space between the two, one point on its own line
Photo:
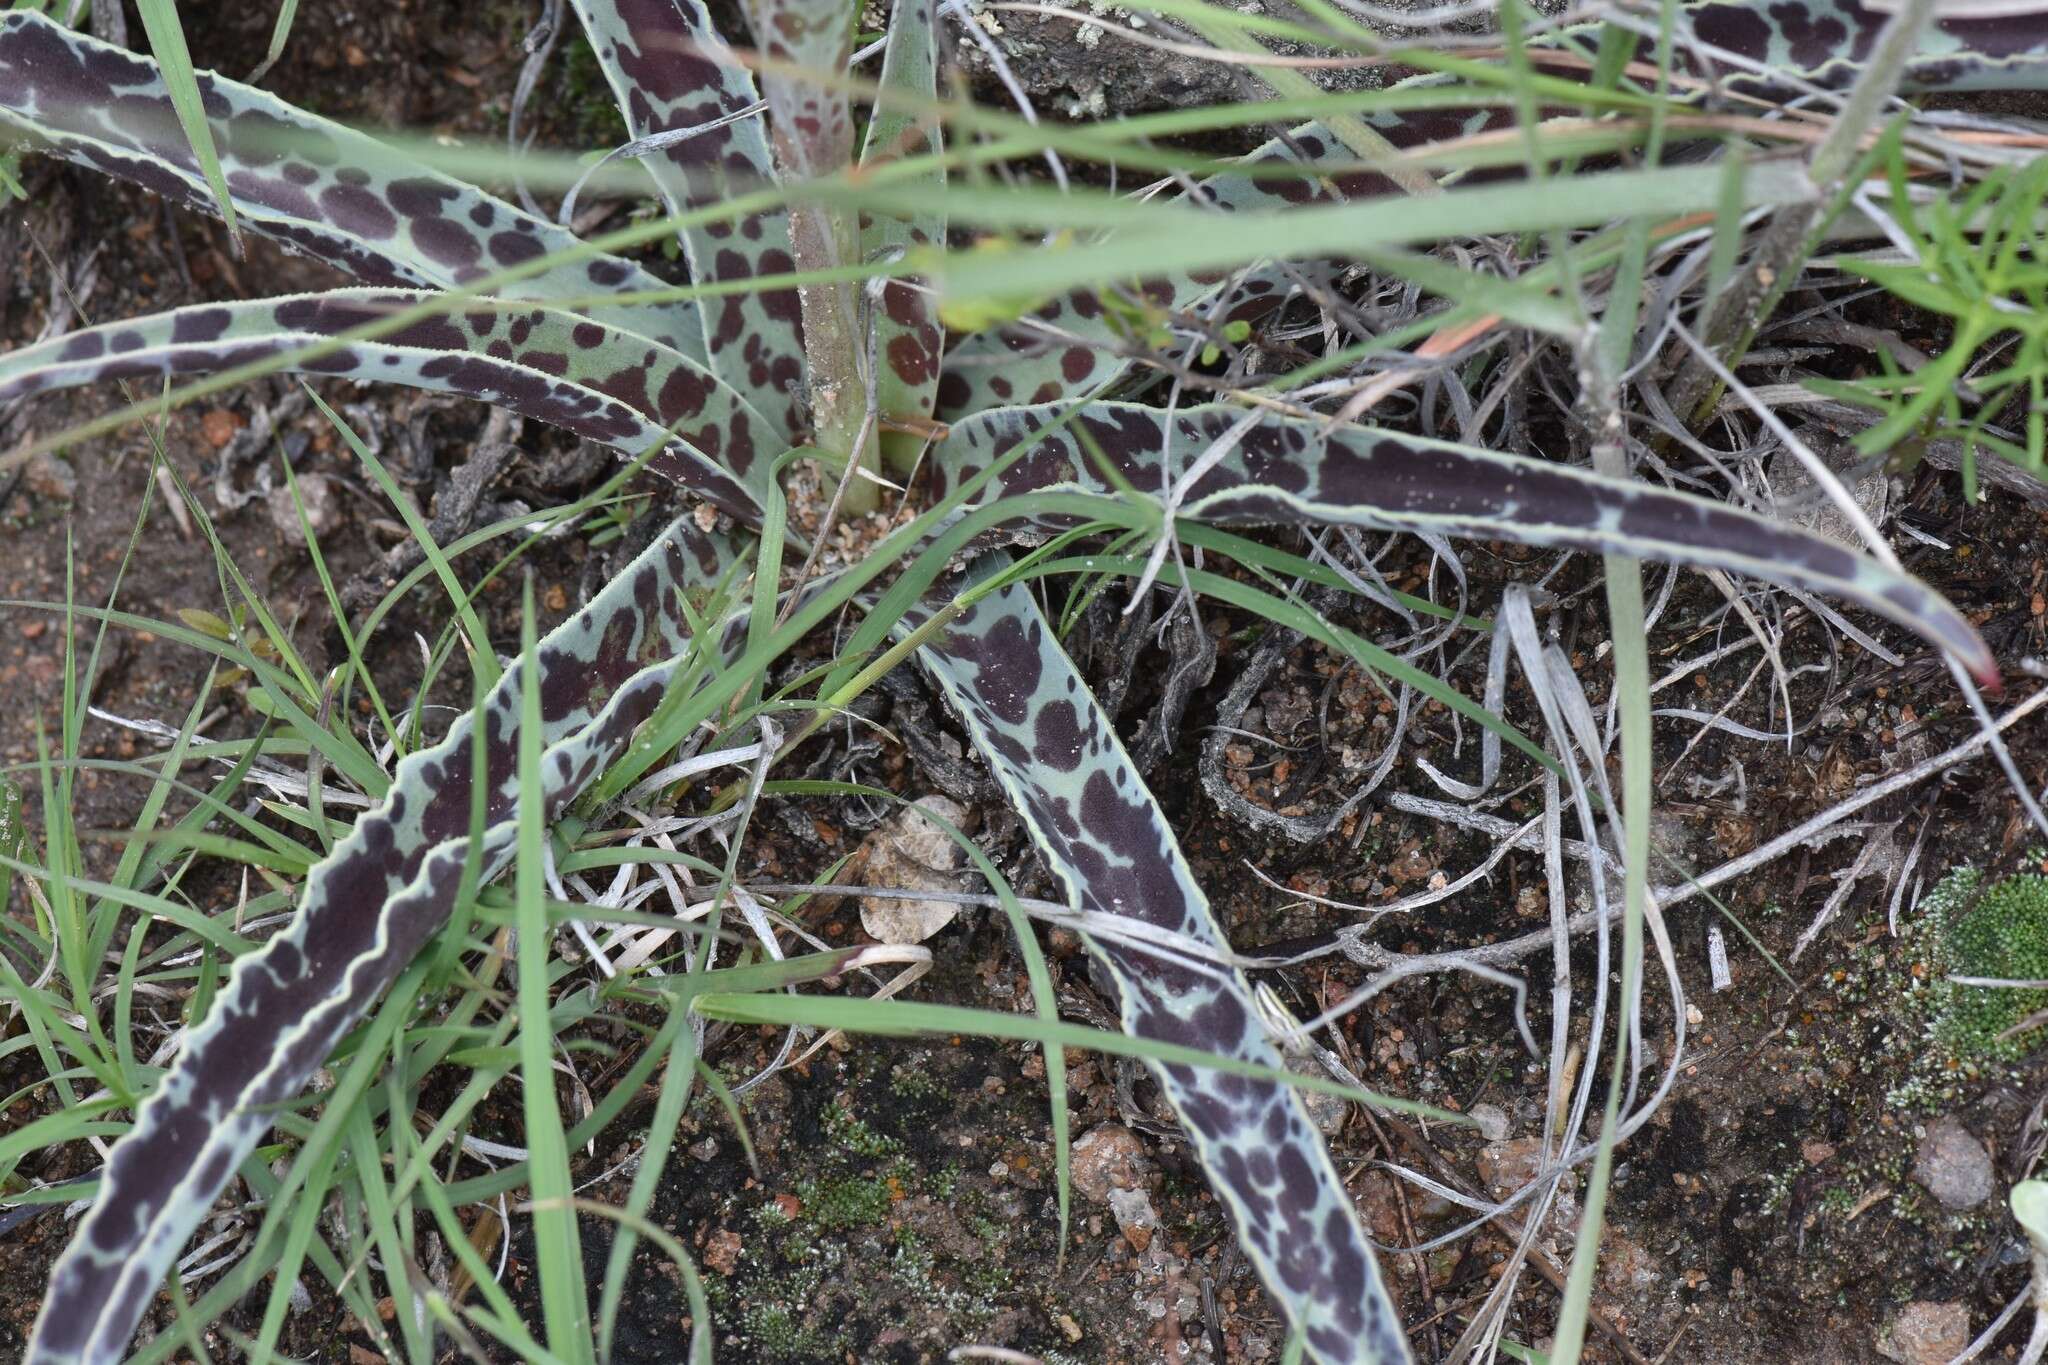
x=167 y=42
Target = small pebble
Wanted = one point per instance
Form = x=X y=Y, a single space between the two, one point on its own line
x=323 y=509
x=910 y=852
x=1109 y=1157
x=1492 y=1121
x=50 y=476
x=1134 y=1216
x=219 y=426
x=1954 y=1166
x=1925 y=1333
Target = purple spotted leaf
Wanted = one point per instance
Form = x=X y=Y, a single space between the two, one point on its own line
x=319 y=188
x=907 y=337
x=1827 y=41
x=671 y=72
x=804 y=47
x=366 y=909
x=1058 y=759
x=1272 y=471
x=611 y=386
x=387 y=887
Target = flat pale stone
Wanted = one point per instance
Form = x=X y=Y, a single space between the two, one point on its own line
x=910 y=852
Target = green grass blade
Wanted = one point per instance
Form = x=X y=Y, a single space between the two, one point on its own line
x=558 y=1250
x=167 y=42
x=481 y=656
x=905 y=1019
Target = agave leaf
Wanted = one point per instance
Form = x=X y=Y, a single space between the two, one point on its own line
x=1058 y=757
x=365 y=911
x=1295 y=471
x=907 y=337
x=805 y=45
x=671 y=72
x=592 y=379
x=310 y=183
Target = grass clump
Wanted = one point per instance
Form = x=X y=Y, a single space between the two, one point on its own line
x=1999 y=932
x=367 y=1116
x=1974 y=264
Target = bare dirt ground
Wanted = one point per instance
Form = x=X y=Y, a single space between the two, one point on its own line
x=904 y=1202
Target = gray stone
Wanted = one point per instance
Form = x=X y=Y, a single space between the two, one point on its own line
x=1505 y=1167
x=1135 y=1217
x=323 y=509
x=1492 y=1121
x=1954 y=1166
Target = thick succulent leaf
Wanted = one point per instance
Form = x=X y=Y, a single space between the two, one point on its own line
x=1291 y=471
x=1059 y=759
x=365 y=911
x=311 y=184
x=908 y=338
x=671 y=71
x=1826 y=42
x=611 y=386
x=806 y=44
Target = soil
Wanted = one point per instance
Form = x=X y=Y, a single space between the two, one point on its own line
x=903 y=1202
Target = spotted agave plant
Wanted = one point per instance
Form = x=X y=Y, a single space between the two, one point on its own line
x=464 y=293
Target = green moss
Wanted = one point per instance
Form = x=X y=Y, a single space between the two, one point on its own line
x=914 y=1083
x=1839 y=1199
x=853 y=1201
x=916 y=1271
x=593 y=113
x=774 y=1318
x=2000 y=931
x=849 y=1134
